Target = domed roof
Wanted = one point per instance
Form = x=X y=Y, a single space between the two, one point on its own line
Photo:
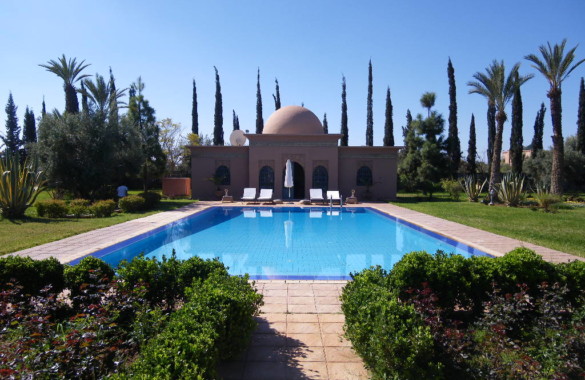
x=293 y=120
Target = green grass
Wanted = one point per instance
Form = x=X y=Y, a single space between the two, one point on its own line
x=34 y=230
x=563 y=230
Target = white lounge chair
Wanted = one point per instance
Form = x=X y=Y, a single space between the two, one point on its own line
x=316 y=195
x=265 y=195
x=334 y=196
x=249 y=194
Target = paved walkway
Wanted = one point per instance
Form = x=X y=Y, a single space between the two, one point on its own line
x=299 y=336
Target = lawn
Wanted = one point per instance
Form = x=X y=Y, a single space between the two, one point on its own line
x=34 y=230
x=563 y=230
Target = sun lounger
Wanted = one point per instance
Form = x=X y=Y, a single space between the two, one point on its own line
x=316 y=195
x=249 y=194
x=334 y=196
x=265 y=195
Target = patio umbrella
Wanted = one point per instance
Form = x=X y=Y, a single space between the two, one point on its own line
x=288 y=176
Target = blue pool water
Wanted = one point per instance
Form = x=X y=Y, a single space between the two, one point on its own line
x=288 y=243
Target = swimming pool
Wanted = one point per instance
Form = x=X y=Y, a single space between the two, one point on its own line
x=288 y=242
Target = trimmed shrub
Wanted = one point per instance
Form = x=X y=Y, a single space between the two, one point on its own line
x=78 y=207
x=132 y=203
x=166 y=279
x=151 y=199
x=448 y=275
x=216 y=322
x=52 y=208
x=452 y=187
x=573 y=274
x=89 y=270
x=389 y=335
x=32 y=275
x=102 y=209
x=445 y=316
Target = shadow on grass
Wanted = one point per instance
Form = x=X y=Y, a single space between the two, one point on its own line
x=417 y=198
x=36 y=219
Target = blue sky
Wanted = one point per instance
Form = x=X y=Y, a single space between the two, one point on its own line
x=307 y=45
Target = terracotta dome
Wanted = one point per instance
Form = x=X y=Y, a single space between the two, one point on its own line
x=293 y=120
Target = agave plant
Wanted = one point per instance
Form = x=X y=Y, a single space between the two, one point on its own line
x=472 y=187
x=511 y=189
x=20 y=184
x=547 y=201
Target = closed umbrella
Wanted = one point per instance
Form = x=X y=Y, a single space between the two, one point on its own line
x=288 y=176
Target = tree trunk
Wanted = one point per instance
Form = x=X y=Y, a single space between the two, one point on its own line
x=497 y=152
x=71 y=103
x=556 y=181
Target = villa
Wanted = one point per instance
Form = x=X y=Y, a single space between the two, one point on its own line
x=294 y=133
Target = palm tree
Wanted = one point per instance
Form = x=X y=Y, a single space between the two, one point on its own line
x=69 y=71
x=427 y=100
x=555 y=67
x=101 y=95
x=498 y=90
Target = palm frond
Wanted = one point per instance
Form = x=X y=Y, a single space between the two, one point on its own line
x=555 y=65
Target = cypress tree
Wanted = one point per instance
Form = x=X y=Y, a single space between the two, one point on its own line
x=29 y=133
x=259 y=119
x=491 y=122
x=405 y=133
x=388 y=124
x=344 y=130
x=516 y=140
x=12 y=139
x=472 y=148
x=325 y=124
x=453 y=143
x=277 y=96
x=113 y=110
x=370 y=112
x=43 y=109
x=236 y=121
x=581 y=119
x=194 y=115
x=218 y=115
x=538 y=131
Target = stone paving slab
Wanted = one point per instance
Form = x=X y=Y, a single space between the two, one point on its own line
x=302 y=344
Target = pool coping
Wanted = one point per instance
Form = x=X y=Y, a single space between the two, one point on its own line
x=77 y=246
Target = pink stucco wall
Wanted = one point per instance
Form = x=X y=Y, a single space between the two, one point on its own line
x=309 y=151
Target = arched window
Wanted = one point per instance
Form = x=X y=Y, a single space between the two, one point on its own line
x=223 y=172
x=320 y=178
x=364 y=176
x=266 y=178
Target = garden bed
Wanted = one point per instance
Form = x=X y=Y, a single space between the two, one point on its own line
x=444 y=316
x=157 y=319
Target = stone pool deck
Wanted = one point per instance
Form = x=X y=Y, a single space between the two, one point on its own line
x=300 y=327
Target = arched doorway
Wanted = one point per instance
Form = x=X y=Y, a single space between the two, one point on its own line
x=298 y=191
